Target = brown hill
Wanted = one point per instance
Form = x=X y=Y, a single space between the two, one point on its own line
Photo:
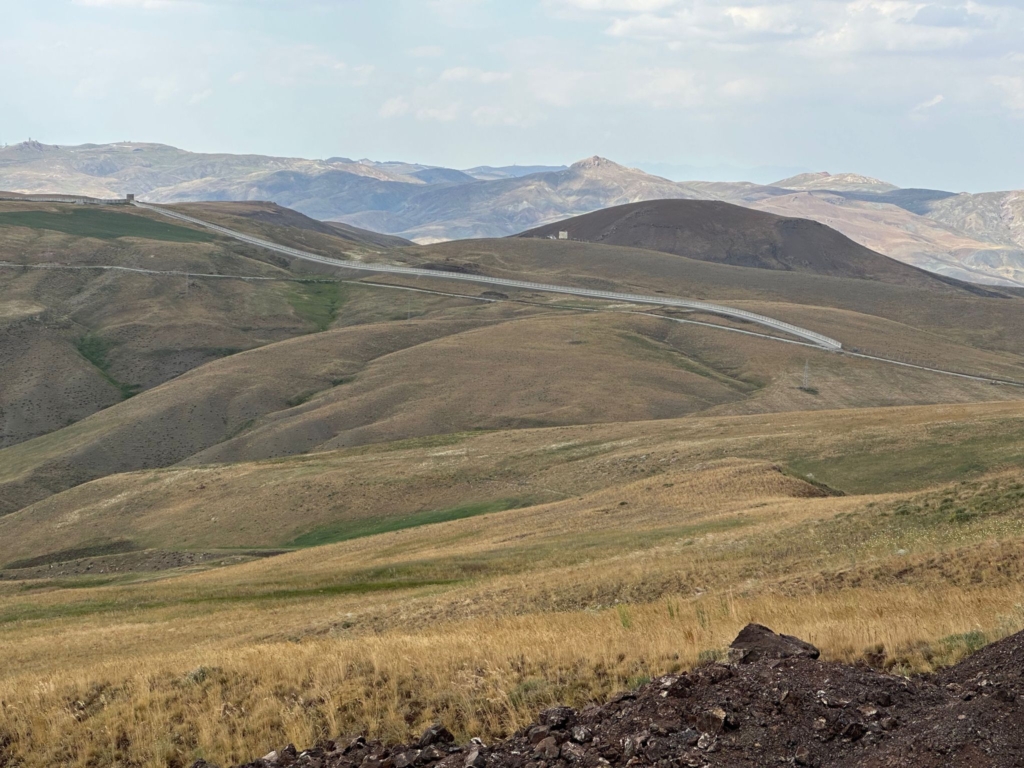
x=729 y=234
x=115 y=300
x=272 y=220
x=484 y=367
x=889 y=226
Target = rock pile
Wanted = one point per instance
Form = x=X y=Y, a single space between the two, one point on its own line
x=773 y=704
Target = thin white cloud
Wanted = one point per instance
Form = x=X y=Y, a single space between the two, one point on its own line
x=427 y=52
x=632 y=6
x=662 y=88
x=494 y=116
x=1011 y=88
x=472 y=75
x=442 y=114
x=395 y=107
x=458 y=13
x=146 y=5
x=162 y=90
x=934 y=101
x=823 y=27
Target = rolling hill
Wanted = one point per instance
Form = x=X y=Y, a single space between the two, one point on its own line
x=840 y=182
x=729 y=234
x=390 y=364
x=506 y=206
x=119 y=301
x=403 y=499
x=969 y=237
x=561 y=565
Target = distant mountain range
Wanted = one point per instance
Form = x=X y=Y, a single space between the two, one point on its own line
x=976 y=237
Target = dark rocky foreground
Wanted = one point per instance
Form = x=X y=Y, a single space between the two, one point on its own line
x=773 y=704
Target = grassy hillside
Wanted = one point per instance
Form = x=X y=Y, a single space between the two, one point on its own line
x=972 y=315
x=113 y=333
x=283 y=225
x=300 y=501
x=447 y=364
x=643 y=548
x=719 y=232
x=490 y=366
x=101 y=223
x=312 y=505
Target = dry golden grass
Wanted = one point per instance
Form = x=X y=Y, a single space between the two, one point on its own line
x=464 y=368
x=483 y=677
x=198 y=507
x=631 y=547
x=481 y=622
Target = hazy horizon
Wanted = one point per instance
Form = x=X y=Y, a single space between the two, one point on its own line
x=922 y=94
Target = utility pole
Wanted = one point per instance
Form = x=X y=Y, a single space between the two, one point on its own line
x=807 y=375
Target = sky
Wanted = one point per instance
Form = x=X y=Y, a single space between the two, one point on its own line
x=922 y=94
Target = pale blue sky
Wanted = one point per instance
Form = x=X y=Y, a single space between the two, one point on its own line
x=927 y=93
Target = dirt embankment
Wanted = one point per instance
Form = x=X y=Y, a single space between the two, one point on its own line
x=773 y=704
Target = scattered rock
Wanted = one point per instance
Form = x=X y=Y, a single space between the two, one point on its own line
x=405 y=759
x=712 y=720
x=756 y=642
x=557 y=718
x=581 y=734
x=547 y=748
x=538 y=733
x=436 y=734
x=777 y=705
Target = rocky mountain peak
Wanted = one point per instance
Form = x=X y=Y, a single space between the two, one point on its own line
x=596 y=162
x=840 y=182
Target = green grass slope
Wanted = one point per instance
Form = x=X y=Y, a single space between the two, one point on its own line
x=110 y=334
x=346 y=494
x=491 y=366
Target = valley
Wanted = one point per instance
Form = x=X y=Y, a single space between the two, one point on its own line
x=548 y=384
x=277 y=500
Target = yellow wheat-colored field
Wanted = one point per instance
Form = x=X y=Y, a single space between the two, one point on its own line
x=481 y=622
x=483 y=677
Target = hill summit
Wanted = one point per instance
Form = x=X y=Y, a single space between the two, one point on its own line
x=840 y=182
x=598 y=162
x=720 y=232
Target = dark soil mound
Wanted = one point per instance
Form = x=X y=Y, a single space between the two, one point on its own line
x=777 y=706
x=709 y=230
